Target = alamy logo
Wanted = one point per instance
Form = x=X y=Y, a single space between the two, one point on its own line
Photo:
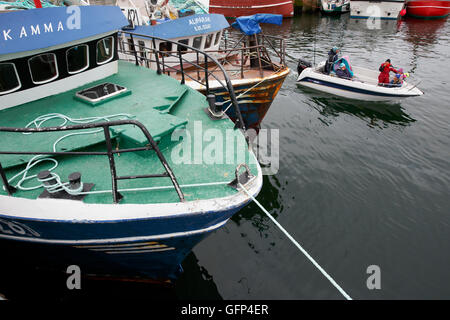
x=374 y=280
x=74 y=280
x=373 y=21
x=212 y=146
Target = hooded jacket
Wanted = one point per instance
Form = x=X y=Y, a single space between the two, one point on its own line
x=384 y=74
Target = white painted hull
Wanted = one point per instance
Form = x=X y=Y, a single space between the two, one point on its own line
x=363 y=87
x=376 y=9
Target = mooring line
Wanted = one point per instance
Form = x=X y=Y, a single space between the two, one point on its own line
x=299 y=246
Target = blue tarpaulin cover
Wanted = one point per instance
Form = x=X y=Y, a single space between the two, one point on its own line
x=250 y=24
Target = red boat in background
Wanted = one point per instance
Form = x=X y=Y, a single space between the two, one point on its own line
x=238 y=8
x=428 y=9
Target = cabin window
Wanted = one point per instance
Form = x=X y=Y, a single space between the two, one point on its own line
x=121 y=44
x=217 y=38
x=43 y=68
x=77 y=59
x=197 y=43
x=181 y=46
x=142 y=48
x=105 y=50
x=208 y=41
x=131 y=46
x=165 y=46
x=9 y=79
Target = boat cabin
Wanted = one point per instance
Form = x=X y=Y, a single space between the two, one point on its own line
x=201 y=31
x=53 y=56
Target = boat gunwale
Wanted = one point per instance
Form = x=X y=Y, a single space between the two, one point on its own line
x=146 y=211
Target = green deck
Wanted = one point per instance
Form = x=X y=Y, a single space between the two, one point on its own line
x=161 y=103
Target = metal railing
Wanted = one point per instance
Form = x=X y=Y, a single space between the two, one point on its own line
x=144 y=55
x=110 y=153
x=258 y=48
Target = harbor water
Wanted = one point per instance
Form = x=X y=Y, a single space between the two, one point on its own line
x=359 y=184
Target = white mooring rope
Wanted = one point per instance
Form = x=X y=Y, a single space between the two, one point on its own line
x=298 y=246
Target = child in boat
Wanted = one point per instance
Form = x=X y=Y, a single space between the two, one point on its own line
x=343 y=72
x=332 y=58
x=385 y=68
x=398 y=78
x=397 y=81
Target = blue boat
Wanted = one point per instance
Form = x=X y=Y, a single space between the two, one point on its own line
x=101 y=164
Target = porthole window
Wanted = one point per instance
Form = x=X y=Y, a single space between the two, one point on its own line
x=208 y=40
x=105 y=50
x=77 y=59
x=43 y=68
x=142 y=52
x=9 y=78
x=197 y=42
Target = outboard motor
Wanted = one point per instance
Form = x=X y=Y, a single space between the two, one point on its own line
x=302 y=65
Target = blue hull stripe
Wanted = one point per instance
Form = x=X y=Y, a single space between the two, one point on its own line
x=367 y=17
x=352 y=89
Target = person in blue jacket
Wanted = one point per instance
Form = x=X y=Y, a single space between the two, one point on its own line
x=332 y=58
x=343 y=72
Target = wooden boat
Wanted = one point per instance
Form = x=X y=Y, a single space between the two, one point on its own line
x=238 y=8
x=92 y=167
x=428 y=9
x=254 y=75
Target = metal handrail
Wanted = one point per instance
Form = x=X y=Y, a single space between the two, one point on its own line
x=161 y=64
x=262 y=44
x=110 y=153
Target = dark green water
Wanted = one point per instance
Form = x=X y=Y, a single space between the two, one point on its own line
x=359 y=184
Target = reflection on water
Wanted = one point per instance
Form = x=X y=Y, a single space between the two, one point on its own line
x=351 y=195
x=374 y=26
x=423 y=32
x=23 y=276
x=270 y=197
x=376 y=114
x=196 y=282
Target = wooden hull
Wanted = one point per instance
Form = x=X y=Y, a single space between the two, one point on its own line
x=235 y=8
x=254 y=97
x=430 y=9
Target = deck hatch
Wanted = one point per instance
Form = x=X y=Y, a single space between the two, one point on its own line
x=101 y=93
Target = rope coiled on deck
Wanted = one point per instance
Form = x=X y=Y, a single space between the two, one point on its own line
x=38 y=123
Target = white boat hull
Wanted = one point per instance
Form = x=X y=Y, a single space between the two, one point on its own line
x=376 y=9
x=364 y=86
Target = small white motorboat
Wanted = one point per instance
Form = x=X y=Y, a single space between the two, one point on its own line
x=363 y=86
x=335 y=6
